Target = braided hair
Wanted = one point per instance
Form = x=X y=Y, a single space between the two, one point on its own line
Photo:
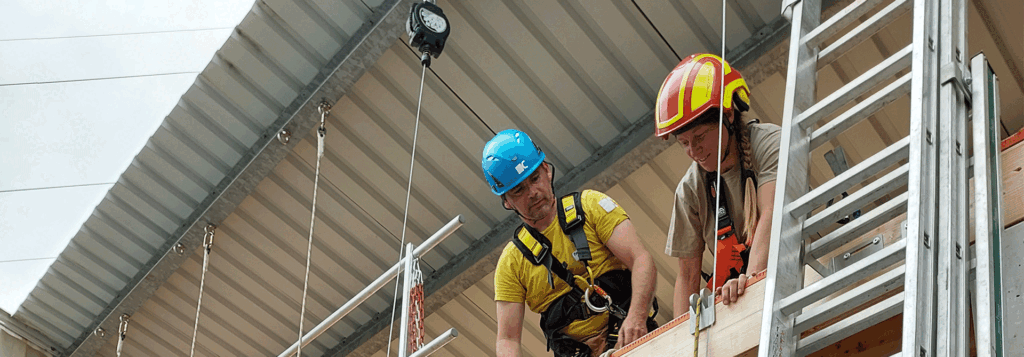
x=746 y=160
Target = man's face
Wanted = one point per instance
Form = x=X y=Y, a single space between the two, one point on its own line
x=533 y=198
x=701 y=145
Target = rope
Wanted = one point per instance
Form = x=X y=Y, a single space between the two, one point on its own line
x=122 y=331
x=408 y=193
x=696 y=331
x=208 y=246
x=718 y=176
x=324 y=108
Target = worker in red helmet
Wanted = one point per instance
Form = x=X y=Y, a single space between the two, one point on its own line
x=737 y=234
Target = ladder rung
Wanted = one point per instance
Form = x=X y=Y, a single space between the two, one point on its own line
x=862 y=110
x=856 y=323
x=839 y=21
x=862 y=32
x=857 y=174
x=858 y=296
x=853 y=273
x=821 y=269
x=877 y=74
x=858 y=227
x=858 y=199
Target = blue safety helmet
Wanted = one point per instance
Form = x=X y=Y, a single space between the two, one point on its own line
x=508 y=158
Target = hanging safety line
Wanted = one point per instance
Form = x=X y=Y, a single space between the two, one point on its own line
x=408 y=191
x=122 y=332
x=325 y=109
x=718 y=179
x=207 y=247
x=696 y=334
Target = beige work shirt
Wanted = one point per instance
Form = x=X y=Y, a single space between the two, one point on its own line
x=691 y=215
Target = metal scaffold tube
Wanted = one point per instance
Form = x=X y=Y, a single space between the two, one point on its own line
x=374 y=286
x=437 y=343
x=403 y=337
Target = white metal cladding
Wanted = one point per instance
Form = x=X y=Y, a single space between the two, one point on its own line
x=573 y=74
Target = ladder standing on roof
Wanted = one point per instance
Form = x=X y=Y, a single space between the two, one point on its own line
x=932 y=261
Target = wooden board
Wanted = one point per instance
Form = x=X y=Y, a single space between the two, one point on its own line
x=1013 y=184
x=741 y=322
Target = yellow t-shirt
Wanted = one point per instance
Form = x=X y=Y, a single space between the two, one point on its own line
x=518 y=280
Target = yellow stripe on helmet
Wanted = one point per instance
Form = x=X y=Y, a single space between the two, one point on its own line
x=703 y=86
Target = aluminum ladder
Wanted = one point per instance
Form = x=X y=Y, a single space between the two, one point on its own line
x=932 y=263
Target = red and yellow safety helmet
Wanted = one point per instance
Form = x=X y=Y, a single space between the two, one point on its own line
x=692 y=88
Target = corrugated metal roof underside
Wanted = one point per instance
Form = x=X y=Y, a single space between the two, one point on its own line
x=572 y=75
x=552 y=69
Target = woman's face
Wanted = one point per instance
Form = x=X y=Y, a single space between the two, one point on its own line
x=701 y=145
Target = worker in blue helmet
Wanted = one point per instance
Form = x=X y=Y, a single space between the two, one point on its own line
x=576 y=259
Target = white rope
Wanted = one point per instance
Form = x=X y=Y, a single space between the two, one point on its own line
x=408 y=193
x=207 y=247
x=324 y=109
x=718 y=176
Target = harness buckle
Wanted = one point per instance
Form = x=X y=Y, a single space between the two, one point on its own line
x=539 y=258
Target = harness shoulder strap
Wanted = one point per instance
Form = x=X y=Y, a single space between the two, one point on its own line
x=723 y=216
x=572 y=219
x=537 y=250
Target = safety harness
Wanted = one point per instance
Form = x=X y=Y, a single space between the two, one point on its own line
x=731 y=256
x=612 y=291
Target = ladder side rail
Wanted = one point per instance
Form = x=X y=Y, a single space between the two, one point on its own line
x=988 y=219
x=951 y=318
x=786 y=270
x=919 y=287
x=963 y=232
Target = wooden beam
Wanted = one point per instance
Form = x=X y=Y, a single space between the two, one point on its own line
x=740 y=321
x=1013 y=183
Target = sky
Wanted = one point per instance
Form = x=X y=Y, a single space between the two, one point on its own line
x=83 y=86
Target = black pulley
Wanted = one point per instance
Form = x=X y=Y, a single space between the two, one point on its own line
x=428 y=30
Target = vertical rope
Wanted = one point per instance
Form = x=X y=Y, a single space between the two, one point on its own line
x=696 y=322
x=408 y=193
x=207 y=247
x=718 y=176
x=321 y=132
